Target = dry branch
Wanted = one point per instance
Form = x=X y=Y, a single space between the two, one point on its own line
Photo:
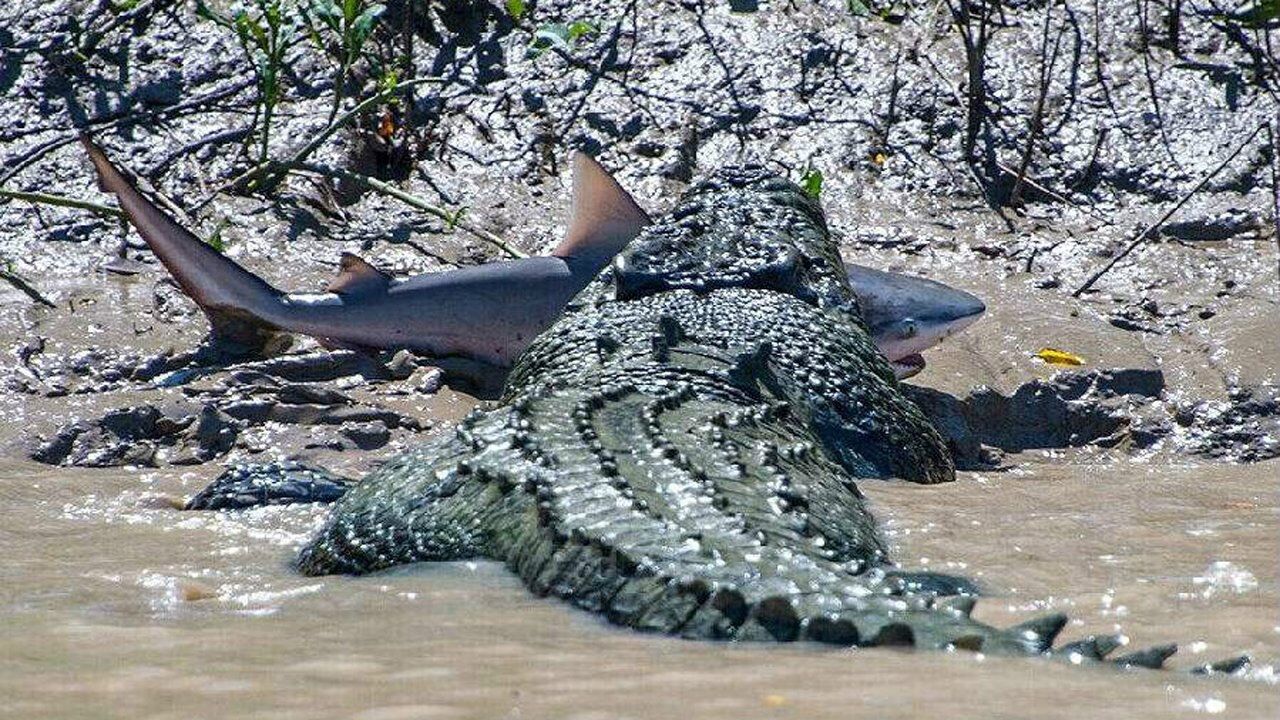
x=1150 y=229
x=18 y=282
x=411 y=200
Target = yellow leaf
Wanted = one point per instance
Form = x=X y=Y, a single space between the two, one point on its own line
x=879 y=159
x=1053 y=356
x=774 y=701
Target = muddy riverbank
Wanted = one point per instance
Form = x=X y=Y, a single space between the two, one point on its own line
x=1136 y=492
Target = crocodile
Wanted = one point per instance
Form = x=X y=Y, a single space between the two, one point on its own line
x=680 y=452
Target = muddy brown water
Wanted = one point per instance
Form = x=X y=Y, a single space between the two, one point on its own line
x=116 y=605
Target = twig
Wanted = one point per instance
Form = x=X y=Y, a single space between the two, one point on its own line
x=61 y=201
x=1151 y=80
x=411 y=200
x=1038 y=187
x=1048 y=58
x=745 y=112
x=608 y=56
x=217 y=138
x=1099 y=140
x=1098 y=73
x=1142 y=236
x=17 y=281
x=1274 y=133
x=975 y=53
x=31 y=156
x=89 y=45
x=263 y=168
x=372 y=100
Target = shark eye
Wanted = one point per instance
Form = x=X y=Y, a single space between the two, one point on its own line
x=909 y=328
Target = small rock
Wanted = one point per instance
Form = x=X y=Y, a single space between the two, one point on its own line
x=124 y=266
x=428 y=381
x=350 y=382
x=402 y=365
x=1216 y=227
x=282 y=483
x=366 y=435
x=300 y=394
x=1125 y=323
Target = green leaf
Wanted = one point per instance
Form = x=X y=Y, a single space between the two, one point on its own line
x=857 y=7
x=551 y=35
x=363 y=25
x=329 y=13
x=390 y=79
x=516 y=9
x=579 y=28
x=207 y=13
x=559 y=36
x=1262 y=13
x=215 y=240
x=811 y=181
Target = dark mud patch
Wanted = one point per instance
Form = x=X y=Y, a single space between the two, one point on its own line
x=294 y=404
x=1123 y=409
x=290 y=403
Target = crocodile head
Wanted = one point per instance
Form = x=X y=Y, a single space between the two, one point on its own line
x=742 y=227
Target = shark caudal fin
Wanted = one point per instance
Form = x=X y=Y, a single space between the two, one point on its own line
x=236 y=301
x=605 y=217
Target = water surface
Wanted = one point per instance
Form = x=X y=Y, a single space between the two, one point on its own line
x=117 y=605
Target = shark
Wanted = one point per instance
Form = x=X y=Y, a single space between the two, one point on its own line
x=484 y=316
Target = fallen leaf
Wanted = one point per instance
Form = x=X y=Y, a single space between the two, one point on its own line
x=1053 y=356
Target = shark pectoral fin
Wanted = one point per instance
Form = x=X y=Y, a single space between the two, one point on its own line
x=357 y=277
x=605 y=217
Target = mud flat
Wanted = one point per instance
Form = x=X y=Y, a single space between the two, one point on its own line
x=1136 y=492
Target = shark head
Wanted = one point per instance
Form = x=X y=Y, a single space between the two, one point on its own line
x=908 y=315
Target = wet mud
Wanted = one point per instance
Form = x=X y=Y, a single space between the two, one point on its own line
x=1136 y=491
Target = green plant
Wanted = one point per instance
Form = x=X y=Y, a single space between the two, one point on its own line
x=559 y=36
x=266 y=30
x=886 y=10
x=1262 y=13
x=351 y=22
x=811 y=181
x=516 y=9
x=215 y=240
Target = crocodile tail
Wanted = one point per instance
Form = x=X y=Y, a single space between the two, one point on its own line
x=688 y=548
x=421 y=505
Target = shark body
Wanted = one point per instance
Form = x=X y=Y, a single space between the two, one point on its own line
x=489 y=313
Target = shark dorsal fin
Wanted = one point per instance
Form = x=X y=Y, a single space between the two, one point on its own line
x=358 y=277
x=605 y=217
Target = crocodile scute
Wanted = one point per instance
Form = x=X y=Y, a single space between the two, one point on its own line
x=679 y=452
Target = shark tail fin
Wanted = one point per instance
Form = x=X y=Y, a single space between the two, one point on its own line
x=605 y=217
x=237 y=302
